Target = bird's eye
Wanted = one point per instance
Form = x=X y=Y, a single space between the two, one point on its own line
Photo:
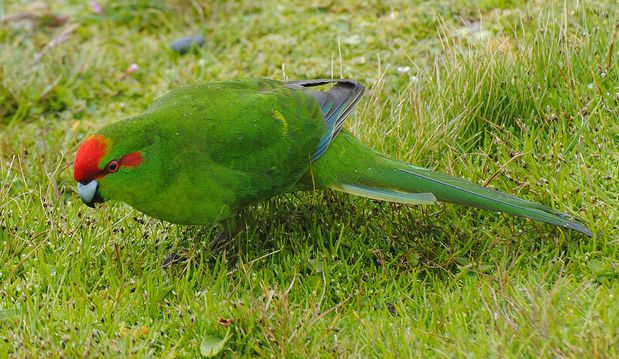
x=112 y=166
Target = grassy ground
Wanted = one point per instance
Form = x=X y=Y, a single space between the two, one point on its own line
x=524 y=96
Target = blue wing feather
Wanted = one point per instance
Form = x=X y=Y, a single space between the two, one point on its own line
x=335 y=104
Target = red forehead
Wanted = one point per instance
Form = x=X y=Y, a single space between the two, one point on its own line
x=90 y=153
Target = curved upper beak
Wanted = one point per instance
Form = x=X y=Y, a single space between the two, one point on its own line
x=89 y=193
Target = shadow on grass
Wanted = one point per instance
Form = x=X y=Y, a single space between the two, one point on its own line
x=438 y=240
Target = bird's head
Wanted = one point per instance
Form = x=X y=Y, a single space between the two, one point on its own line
x=104 y=168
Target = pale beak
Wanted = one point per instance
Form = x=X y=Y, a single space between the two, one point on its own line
x=89 y=193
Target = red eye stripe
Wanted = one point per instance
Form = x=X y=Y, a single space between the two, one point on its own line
x=133 y=159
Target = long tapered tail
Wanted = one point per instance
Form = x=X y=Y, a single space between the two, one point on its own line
x=351 y=167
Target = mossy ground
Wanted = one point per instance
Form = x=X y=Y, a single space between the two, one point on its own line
x=524 y=96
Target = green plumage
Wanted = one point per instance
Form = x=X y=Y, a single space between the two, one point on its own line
x=210 y=150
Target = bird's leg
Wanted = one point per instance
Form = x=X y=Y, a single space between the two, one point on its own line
x=178 y=253
x=223 y=237
x=171 y=259
x=221 y=241
x=230 y=229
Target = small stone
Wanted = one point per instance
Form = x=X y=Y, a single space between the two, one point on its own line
x=185 y=44
x=391 y=308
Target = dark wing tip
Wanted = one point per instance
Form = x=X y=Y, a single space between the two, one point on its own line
x=571 y=222
x=576 y=225
x=298 y=84
x=582 y=229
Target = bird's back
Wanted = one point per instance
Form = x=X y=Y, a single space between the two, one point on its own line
x=223 y=146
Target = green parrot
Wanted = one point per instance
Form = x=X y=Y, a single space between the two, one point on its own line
x=200 y=153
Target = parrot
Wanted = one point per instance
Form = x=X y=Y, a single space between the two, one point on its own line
x=201 y=153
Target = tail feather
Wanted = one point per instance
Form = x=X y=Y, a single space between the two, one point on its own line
x=459 y=191
x=386 y=194
x=351 y=167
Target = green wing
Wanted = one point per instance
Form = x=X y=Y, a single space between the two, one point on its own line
x=223 y=146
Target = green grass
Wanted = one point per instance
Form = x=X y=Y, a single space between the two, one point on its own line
x=523 y=95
